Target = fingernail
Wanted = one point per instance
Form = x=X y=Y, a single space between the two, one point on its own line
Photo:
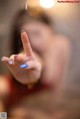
x=2 y=59
x=23 y=65
x=10 y=62
x=22 y=30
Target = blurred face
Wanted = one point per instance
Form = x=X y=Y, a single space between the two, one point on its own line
x=39 y=35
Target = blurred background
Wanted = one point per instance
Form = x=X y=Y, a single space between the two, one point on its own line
x=65 y=15
x=66 y=18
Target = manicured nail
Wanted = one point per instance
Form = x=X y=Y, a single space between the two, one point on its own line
x=10 y=62
x=2 y=59
x=22 y=31
x=23 y=65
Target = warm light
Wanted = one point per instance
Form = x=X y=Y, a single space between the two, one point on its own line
x=47 y=3
x=26 y=5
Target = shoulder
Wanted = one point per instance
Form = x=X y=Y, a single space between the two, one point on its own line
x=62 y=46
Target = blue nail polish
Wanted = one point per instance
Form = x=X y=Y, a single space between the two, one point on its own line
x=23 y=65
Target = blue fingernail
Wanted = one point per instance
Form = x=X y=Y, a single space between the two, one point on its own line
x=23 y=65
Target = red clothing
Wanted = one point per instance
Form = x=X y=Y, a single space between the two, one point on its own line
x=18 y=90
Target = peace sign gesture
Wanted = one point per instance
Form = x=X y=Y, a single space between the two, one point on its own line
x=25 y=66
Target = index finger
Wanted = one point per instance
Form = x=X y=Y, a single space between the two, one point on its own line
x=26 y=44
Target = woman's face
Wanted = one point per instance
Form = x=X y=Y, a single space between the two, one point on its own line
x=39 y=35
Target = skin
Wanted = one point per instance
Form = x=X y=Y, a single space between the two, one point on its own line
x=4 y=92
x=32 y=72
x=54 y=50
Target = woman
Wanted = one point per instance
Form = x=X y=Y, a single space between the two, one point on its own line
x=38 y=54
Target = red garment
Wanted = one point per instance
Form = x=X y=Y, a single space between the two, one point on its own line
x=18 y=91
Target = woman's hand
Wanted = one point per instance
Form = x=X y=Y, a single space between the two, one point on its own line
x=25 y=66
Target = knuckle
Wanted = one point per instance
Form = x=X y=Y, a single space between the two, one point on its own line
x=38 y=65
x=12 y=57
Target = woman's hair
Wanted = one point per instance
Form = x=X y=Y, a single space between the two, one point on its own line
x=21 y=18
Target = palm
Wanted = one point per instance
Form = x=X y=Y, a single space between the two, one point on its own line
x=24 y=66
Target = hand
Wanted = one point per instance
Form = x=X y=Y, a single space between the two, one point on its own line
x=24 y=66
